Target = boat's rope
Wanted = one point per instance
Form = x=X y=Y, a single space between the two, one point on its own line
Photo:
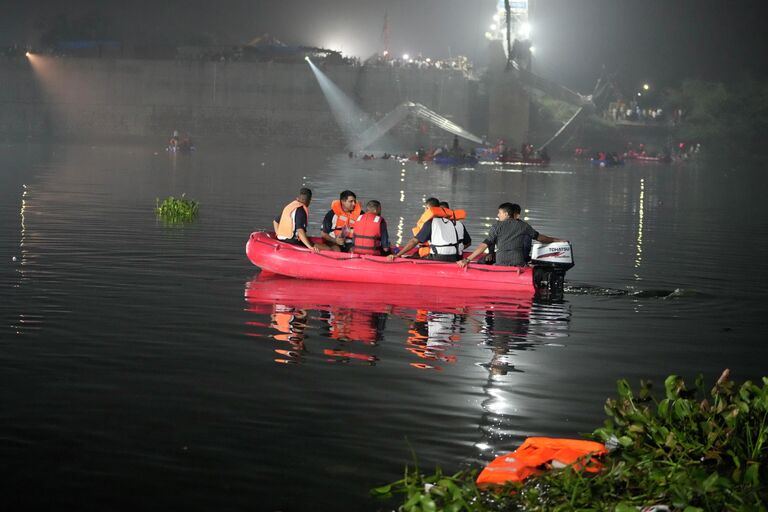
x=398 y=261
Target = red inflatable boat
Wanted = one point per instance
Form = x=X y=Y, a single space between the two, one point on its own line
x=271 y=255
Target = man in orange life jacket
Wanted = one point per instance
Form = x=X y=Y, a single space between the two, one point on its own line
x=338 y=222
x=430 y=203
x=447 y=237
x=370 y=234
x=291 y=225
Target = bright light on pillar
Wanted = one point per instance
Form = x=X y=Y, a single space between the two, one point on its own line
x=406 y=56
x=525 y=30
x=639 y=94
x=646 y=87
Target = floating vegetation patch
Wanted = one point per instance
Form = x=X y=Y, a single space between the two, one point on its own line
x=176 y=210
x=691 y=450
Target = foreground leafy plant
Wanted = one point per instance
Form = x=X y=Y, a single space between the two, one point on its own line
x=687 y=451
x=176 y=210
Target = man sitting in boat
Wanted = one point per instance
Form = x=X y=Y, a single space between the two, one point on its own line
x=339 y=220
x=370 y=235
x=430 y=203
x=509 y=235
x=291 y=225
x=446 y=234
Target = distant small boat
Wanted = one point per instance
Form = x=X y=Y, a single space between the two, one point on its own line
x=645 y=158
x=454 y=160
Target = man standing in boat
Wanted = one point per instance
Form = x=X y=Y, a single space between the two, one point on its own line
x=291 y=225
x=508 y=236
x=338 y=222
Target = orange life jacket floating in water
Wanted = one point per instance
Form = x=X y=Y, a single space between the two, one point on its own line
x=538 y=454
x=344 y=219
x=428 y=215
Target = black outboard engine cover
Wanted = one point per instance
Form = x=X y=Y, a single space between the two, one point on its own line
x=550 y=263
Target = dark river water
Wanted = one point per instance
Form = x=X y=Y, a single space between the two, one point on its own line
x=145 y=366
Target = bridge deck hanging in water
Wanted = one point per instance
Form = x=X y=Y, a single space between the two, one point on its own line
x=402 y=111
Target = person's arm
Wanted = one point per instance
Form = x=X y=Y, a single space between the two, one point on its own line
x=302 y=221
x=302 y=235
x=384 y=237
x=547 y=239
x=467 y=241
x=423 y=236
x=477 y=252
x=275 y=225
x=413 y=242
x=327 y=228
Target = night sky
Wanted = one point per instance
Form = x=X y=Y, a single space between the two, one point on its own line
x=656 y=41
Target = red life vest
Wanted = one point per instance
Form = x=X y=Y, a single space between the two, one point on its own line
x=367 y=235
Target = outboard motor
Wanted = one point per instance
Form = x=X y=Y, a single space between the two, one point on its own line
x=550 y=263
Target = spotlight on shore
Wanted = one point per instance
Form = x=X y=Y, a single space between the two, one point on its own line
x=306 y=58
x=351 y=119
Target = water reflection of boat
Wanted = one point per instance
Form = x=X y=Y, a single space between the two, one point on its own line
x=266 y=252
x=358 y=314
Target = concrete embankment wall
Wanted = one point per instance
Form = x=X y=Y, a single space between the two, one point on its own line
x=258 y=103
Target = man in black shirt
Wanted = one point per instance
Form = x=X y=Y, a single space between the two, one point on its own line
x=509 y=235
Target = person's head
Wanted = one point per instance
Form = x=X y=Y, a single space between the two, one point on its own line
x=305 y=196
x=432 y=202
x=444 y=204
x=373 y=206
x=508 y=211
x=348 y=200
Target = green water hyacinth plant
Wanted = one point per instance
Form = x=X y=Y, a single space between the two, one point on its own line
x=689 y=450
x=175 y=210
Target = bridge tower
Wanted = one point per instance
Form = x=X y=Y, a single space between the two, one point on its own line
x=509 y=107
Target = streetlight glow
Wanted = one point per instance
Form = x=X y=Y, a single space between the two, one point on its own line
x=646 y=87
x=406 y=56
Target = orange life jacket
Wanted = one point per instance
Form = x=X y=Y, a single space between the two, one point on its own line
x=428 y=215
x=285 y=228
x=367 y=235
x=344 y=219
x=538 y=453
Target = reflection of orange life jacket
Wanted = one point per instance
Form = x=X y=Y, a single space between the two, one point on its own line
x=536 y=452
x=285 y=228
x=367 y=236
x=428 y=215
x=343 y=219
